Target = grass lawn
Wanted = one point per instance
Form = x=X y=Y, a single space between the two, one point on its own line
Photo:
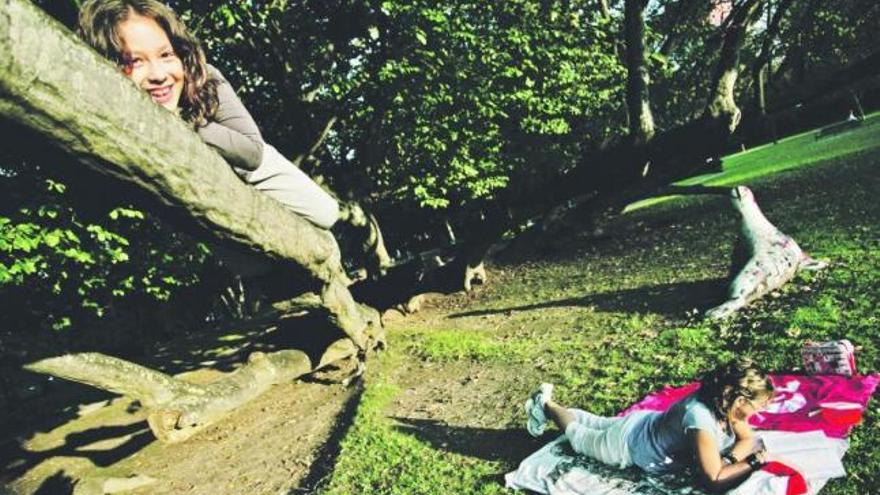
x=798 y=151
x=609 y=320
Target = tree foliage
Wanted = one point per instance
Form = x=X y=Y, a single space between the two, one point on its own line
x=453 y=100
x=64 y=262
x=430 y=113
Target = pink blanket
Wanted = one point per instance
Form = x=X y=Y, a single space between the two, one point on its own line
x=830 y=403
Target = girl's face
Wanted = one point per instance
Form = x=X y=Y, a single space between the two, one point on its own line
x=743 y=407
x=150 y=60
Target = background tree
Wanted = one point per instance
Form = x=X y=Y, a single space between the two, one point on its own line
x=638 y=102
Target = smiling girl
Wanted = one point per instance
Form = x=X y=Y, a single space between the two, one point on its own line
x=154 y=49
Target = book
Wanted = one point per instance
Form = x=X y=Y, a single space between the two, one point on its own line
x=812 y=453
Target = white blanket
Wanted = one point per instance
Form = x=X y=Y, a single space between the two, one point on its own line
x=556 y=470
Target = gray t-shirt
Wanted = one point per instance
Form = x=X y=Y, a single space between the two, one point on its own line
x=659 y=443
x=232 y=131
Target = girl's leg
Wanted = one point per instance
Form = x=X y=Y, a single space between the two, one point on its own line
x=283 y=181
x=603 y=442
x=592 y=420
x=562 y=416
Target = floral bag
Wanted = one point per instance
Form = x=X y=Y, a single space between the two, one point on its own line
x=835 y=357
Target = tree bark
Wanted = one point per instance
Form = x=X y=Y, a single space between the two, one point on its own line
x=54 y=86
x=760 y=68
x=641 y=120
x=178 y=409
x=370 y=249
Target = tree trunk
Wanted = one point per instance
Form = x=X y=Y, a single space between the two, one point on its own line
x=721 y=105
x=370 y=250
x=677 y=15
x=54 y=86
x=178 y=409
x=641 y=121
x=761 y=69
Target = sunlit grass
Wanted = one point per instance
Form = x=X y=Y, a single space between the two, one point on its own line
x=802 y=150
x=608 y=322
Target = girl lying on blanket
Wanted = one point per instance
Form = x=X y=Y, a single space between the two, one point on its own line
x=707 y=430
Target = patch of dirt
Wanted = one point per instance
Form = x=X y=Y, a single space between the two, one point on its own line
x=465 y=407
x=279 y=443
x=269 y=445
x=468 y=408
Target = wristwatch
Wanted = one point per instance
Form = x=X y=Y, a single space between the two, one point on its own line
x=729 y=457
x=753 y=461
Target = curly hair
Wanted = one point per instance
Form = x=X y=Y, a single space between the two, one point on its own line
x=98 y=26
x=720 y=387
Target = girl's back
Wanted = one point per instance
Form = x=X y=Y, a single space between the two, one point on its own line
x=659 y=443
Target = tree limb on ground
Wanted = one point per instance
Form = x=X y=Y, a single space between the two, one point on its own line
x=178 y=409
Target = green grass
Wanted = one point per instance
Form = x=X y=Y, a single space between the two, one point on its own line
x=610 y=320
x=378 y=458
x=452 y=345
x=798 y=151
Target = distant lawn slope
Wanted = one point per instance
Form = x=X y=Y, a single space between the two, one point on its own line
x=801 y=150
x=608 y=320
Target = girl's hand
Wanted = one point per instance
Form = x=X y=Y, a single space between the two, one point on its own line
x=762 y=456
x=742 y=430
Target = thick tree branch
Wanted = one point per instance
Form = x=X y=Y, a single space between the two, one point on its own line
x=721 y=105
x=56 y=87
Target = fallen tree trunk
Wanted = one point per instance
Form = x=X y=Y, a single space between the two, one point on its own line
x=59 y=89
x=178 y=409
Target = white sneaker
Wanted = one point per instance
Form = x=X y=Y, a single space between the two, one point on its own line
x=534 y=406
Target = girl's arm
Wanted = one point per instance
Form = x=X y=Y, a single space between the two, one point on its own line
x=232 y=131
x=745 y=440
x=716 y=474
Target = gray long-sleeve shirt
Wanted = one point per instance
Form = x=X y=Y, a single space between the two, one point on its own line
x=232 y=131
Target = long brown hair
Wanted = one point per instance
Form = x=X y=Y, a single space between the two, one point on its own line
x=720 y=387
x=98 y=22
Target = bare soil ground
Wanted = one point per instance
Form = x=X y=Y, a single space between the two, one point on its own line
x=279 y=443
x=465 y=406
x=266 y=446
x=284 y=442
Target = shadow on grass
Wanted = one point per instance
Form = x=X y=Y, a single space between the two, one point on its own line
x=18 y=460
x=510 y=446
x=665 y=299
x=57 y=484
x=325 y=461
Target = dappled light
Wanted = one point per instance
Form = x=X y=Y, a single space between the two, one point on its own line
x=358 y=247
